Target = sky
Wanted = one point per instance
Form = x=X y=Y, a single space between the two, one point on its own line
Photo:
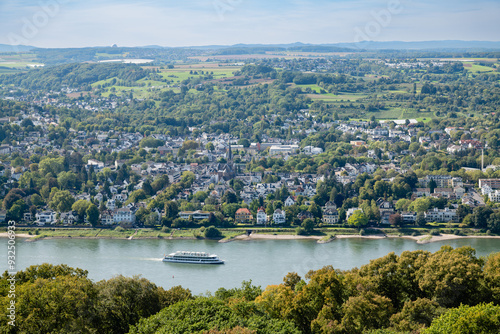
x=81 y=23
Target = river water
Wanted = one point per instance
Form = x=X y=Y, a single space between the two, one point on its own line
x=264 y=262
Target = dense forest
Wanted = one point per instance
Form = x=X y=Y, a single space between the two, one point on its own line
x=449 y=291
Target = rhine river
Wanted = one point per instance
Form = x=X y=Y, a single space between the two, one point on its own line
x=264 y=262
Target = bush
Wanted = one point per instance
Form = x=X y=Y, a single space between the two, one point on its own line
x=119 y=229
x=436 y=232
x=212 y=232
x=362 y=232
x=300 y=231
x=165 y=229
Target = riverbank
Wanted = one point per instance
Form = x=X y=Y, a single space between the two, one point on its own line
x=422 y=239
x=229 y=235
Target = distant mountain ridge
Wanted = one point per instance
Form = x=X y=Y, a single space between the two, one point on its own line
x=456 y=45
x=15 y=48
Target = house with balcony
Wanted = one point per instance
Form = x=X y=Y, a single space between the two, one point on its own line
x=279 y=216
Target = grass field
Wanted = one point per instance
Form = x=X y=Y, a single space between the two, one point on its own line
x=337 y=98
x=475 y=68
x=174 y=76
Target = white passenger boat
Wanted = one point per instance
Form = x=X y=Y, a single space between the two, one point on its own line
x=193 y=257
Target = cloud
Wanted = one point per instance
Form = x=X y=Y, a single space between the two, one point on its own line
x=204 y=22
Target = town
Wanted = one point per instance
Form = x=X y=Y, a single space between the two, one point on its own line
x=218 y=179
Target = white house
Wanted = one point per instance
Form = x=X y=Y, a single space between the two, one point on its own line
x=45 y=217
x=261 y=216
x=111 y=204
x=494 y=196
x=437 y=215
x=197 y=215
x=124 y=215
x=289 y=201
x=279 y=216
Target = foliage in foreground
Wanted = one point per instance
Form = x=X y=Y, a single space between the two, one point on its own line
x=417 y=292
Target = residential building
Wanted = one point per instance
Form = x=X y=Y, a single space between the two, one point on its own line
x=289 y=201
x=421 y=192
x=492 y=183
x=124 y=215
x=107 y=217
x=409 y=217
x=68 y=218
x=438 y=215
x=279 y=216
x=305 y=215
x=45 y=217
x=330 y=216
x=197 y=215
x=386 y=209
x=243 y=215
x=261 y=216
x=494 y=196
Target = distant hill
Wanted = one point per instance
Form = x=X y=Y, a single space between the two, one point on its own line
x=423 y=45
x=448 y=45
x=15 y=48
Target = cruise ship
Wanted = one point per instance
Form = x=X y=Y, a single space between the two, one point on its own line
x=193 y=257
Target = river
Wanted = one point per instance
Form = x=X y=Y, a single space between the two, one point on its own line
x=264 y=262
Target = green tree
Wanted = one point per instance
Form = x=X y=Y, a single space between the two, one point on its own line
x=358 y=219
x=81 y=207
x=212 y=232
x=308 y=225
x=483 y=318
x=93 y=214
x=61 y=201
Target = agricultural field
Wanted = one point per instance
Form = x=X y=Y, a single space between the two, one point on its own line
x=170 y=78
x=476 y=68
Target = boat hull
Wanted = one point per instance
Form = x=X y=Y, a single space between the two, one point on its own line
x=194 y=261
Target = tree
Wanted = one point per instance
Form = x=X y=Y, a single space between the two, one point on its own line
x=148 y=189
x=402 y=204
x=358 y=219
x=421 y=204
x=480 y=216
x=204 y=314
x=210 y=146
x=171 y=210
x=315 y=210
x=229 y=197
x=482 y=318
x=187 y=179
x=396 y=219
x=451 y=276
x=93 y=214
x=81 y=207
x=432 y=186
x=420 y=220
x=308 y=225
x=415 y=315
x=61 y=201
x=67 y=303
x=212 y=232
x=123 y=301
x=367 y=311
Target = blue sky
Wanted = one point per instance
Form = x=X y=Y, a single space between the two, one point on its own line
x=78 y=23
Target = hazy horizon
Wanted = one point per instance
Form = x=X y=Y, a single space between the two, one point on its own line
x=72 y=23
